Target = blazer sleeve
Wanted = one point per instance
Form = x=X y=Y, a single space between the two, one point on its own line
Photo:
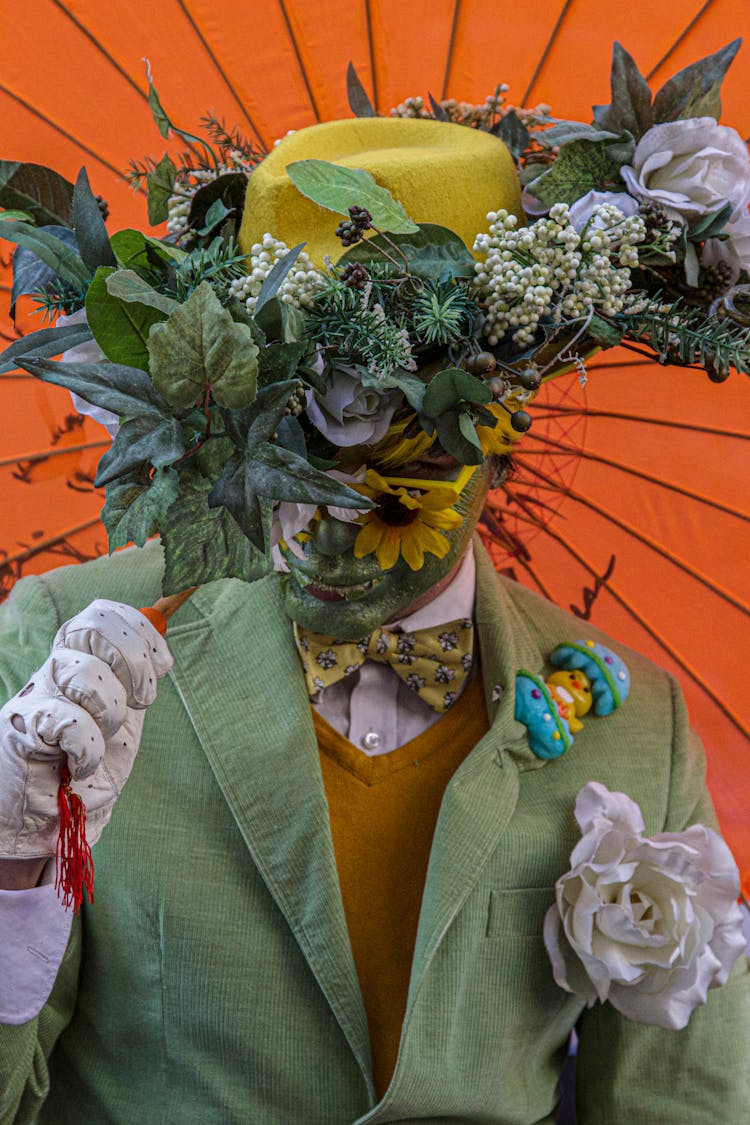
x=630 y=1072
x=28 y=622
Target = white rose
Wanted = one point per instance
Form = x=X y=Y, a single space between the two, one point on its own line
x=649 y=924
x=348 y=413
x=692 y=167
x=90 y=352
x=734 y=250
x=583 y=208
x=290 y=518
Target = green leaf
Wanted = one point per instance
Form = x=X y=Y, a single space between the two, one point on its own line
x=134 y=509
x=604 y=333
x=275 y=278
x=452 y=430
x=281 y=321
x=30 y=273
x=121 y=328
x=137 y=251
x=200 y=346
x=447 y=390
x=567 y=131
x=91 y=232
x=123 y=390
x=216 y=214
x=160 y=187
x=203 y=544
x=148 y=440
x=44 y=344
x=512 y=131
x=708 y=226
x=338 y=188
x=19 y=216
x=55 y=253
x=583 y=166
x=126 y=285
x=696 y=90
x=278 y=362
x=45 y=195
x=408 y=383
x=630 y=109
x=359 y=101
x=434 y=253
x=229 y=188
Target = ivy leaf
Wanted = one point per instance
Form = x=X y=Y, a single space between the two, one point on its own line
x=583 y=166
x=44 y=344
x=126 y=285
x=630 y=109
x=160 y=186
x=275 y=278
x=203 y=544
x=43 y=194
x=149 y=440
x=338 y=188
x=134 y=509
x=121 y=328
x=433 y=253
x=512 y=131
x=201 y=346
x=91 y=232
x=123 y=390
x=30 y=273
x=696 y=90
x=278 y=362
x=61 y=258
x=359 y=101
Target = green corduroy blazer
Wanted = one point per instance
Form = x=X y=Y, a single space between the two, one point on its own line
x=212 y=979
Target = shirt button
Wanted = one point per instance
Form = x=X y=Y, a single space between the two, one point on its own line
x=371 y=740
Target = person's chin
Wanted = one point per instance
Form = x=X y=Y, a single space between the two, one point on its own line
x=346 y=612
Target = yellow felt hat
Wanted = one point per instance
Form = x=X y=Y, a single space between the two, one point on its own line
x=441 y=173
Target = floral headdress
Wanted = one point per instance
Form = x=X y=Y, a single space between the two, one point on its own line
x=259 y=370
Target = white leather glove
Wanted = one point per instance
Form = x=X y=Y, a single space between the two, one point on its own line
x=87 y=703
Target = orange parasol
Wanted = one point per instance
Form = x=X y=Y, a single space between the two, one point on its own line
x=628 y=506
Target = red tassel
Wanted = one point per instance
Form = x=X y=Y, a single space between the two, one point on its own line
x=74 y=866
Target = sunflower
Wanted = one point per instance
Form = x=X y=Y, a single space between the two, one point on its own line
x=406 y=522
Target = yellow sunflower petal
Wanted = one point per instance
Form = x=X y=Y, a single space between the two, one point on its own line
x=445 y=520
x=368 y=539
x=412 y=552
x=432 y=541
x=388 y=549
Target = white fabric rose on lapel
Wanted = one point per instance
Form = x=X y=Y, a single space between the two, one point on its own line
x=648 y=923
x=693 y=167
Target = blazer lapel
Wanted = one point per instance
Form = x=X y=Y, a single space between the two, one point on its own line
x=240 y=679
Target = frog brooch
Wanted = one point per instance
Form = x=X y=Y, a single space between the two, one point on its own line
x=588 y=676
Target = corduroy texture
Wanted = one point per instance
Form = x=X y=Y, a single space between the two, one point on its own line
x=217 y=983
x=441 y=173
x=383 y=813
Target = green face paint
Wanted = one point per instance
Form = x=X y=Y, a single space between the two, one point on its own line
x=332 y=592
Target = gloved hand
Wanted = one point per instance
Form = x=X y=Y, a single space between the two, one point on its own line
x=87 y=703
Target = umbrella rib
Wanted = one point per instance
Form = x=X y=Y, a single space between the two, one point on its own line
x=44 y=454
x=371 y=50
x=222 y=73
x=300 y=61
x=551 y=411
x=656 y=636
x=29 y=552
x=101 y=48
x=659 y=549
x=546 y=52
x=680 y=38
x=451 y=49
x=59 y=129
x=489 y=519
x=671 y=487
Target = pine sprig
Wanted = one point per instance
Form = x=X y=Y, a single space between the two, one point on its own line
x=688 y=336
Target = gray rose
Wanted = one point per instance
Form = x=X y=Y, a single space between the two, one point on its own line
x=348 y=413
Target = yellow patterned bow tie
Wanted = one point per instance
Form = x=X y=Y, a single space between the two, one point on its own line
x=434 y=662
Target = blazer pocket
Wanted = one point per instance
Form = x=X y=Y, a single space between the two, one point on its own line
x=518 y=913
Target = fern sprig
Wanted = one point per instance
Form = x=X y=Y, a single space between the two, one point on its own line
x=688 y=336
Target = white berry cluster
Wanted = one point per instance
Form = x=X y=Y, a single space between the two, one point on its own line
x=189 y=180
x=298 y=288
x=549 y=270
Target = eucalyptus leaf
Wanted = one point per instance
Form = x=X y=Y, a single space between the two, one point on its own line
x=630 y=109
x=43 y=194
x=229 y=188
x=134 y=509
x=281 y=321
x=434 y=253
x=450 y=431
x=161 y=118
x=696 y=90
x=568 y=131
x=126 y=391
x=44 y=344
x=58 y=255
x=215 y=216
x=201 y=347
x=275 y=278
x=91 y=232
x=583 y=166
x=160 y=187
x=708 y=226
x=30 y=273
x=512 y=131
x=449 y=389
x=137 y=251
x=214 y=547
x=120 y=327
x=146 y=441
x=126 y=285
x=359 y=101
x=606 y=334
x=338 y=188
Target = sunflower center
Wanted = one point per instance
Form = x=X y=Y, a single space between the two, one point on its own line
x=391 y=511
